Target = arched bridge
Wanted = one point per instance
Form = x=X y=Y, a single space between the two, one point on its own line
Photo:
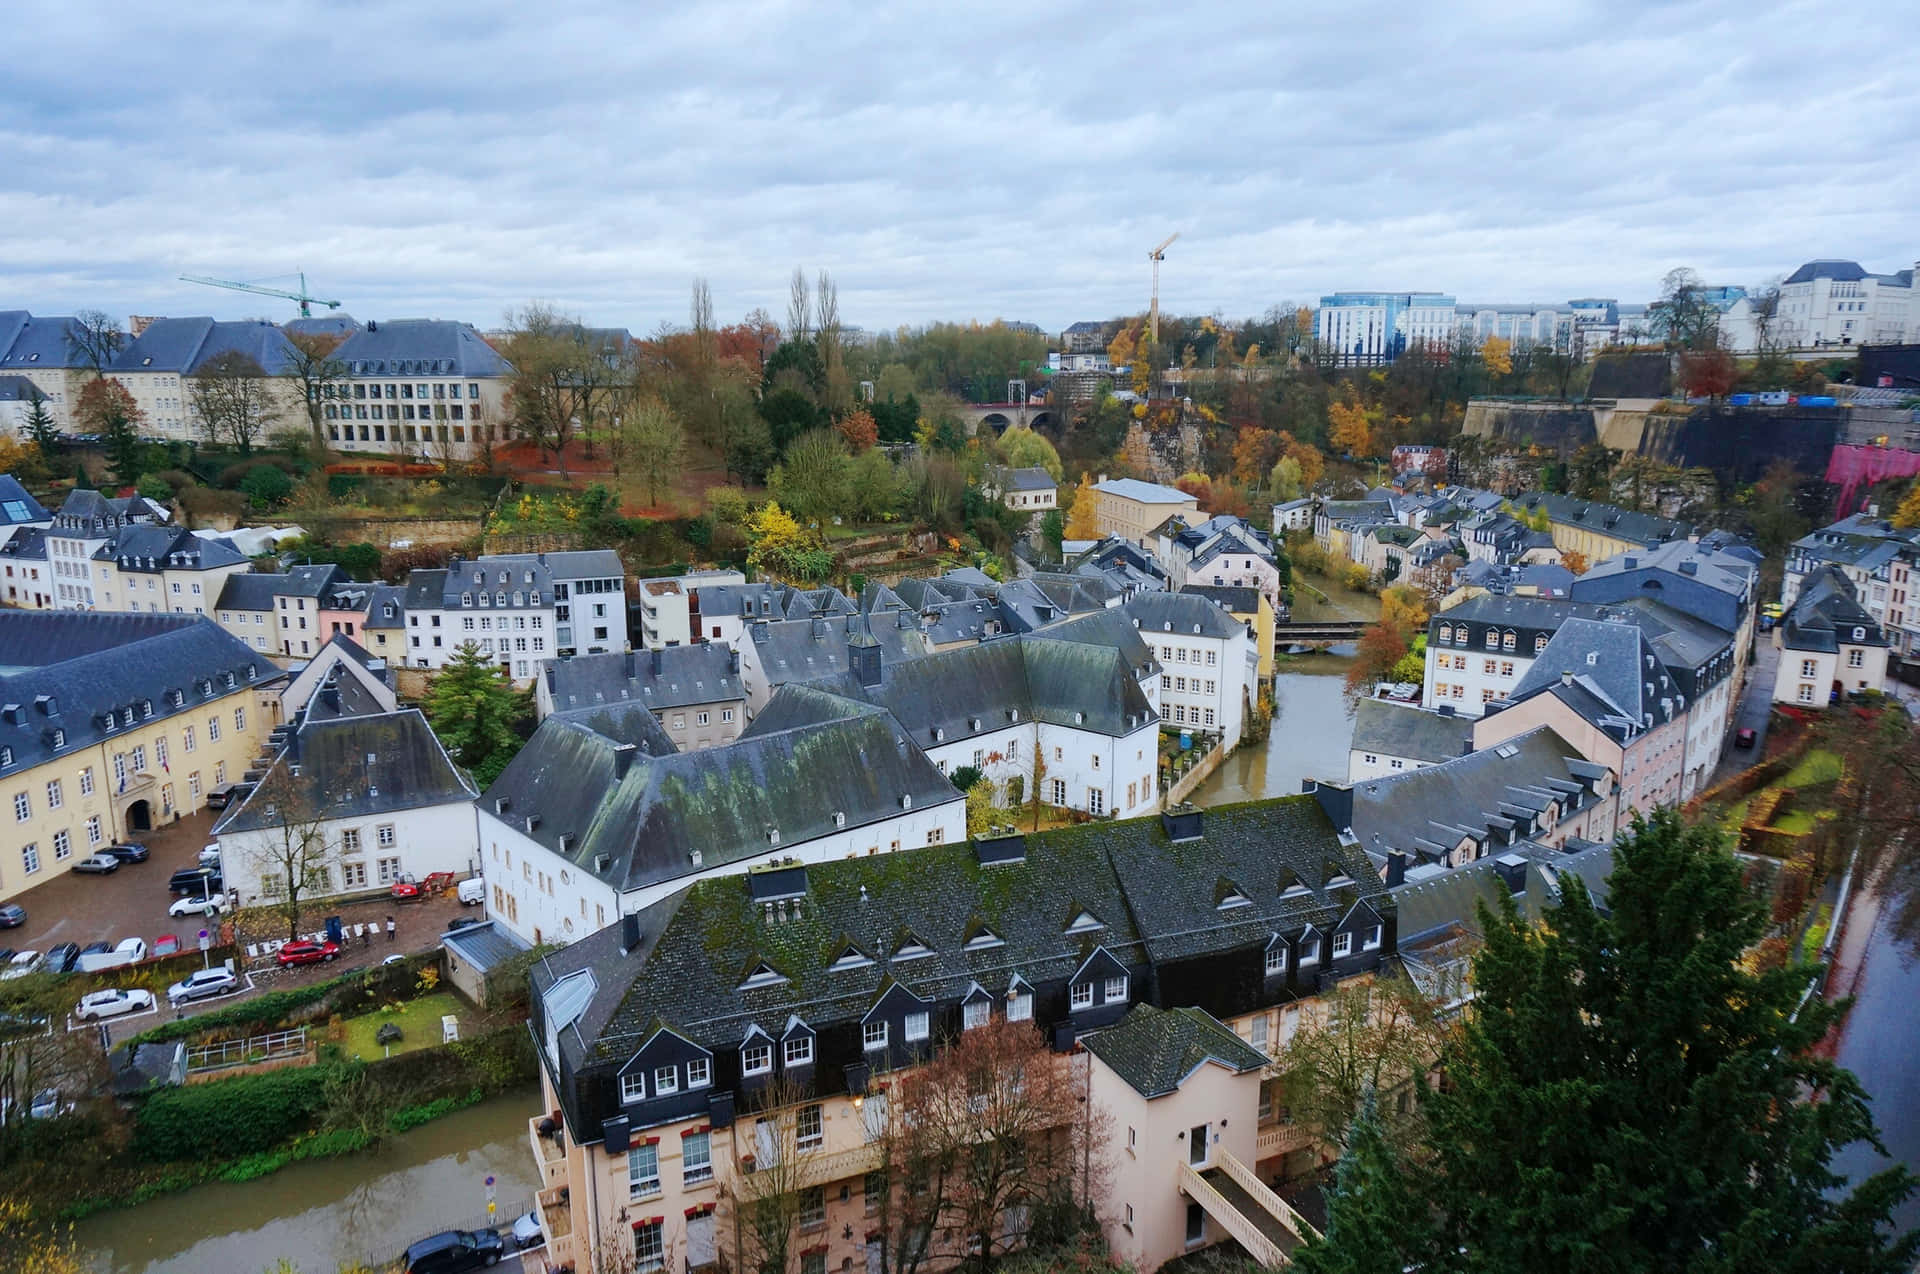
x=1000 y=417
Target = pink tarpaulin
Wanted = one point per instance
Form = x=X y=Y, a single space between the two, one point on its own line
x=1854 y=468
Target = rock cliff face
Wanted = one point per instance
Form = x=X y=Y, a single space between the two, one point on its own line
x=1162 y=451
x=1737 y=443
x=1558 y=428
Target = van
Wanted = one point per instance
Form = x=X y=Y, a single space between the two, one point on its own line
x=130 y=951
x=199 y=882
x=472 y=891
x=221 y=797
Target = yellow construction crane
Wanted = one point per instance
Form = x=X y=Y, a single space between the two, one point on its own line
x=1156 y=257
x=306 y=300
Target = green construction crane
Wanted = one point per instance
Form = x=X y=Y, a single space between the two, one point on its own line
x=306 y=300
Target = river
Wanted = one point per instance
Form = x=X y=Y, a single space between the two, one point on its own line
x=323 y=1213
x=1308 y=737
x=1879 y=1041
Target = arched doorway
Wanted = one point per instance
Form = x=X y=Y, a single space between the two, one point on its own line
x=139 y=817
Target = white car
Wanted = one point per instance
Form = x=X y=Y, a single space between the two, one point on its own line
x=208 y=907
x=526 y=1232
x=98 y=1004
x=22 y=964
x=201 y=985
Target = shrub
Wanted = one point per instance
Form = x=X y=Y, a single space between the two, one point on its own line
x=243 y=1115
x=267 y=486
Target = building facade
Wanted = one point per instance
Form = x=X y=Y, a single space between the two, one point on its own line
x=423 y=388
x=1377 y=327
x=1134 y=510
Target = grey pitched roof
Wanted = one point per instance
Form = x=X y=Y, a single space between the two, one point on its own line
x=1718 y=569
x=624 y=723
x=1493 y=796
x=67 y=670
x=420 y=347
x=1026 y=479
x=18 y=389
x=38 y=342
x=1114 y=628
x=353 y=767
x=16 y=505
x=1838 y=271
x=485 y=946
x=1826 y=615
x=1181 y=613
x=185 y=345
x=1646 y=529
x=377 y=602
x=1386 y=728
x=1615 y=662
x=1155 y=1050
x=160 y=548
x=1143 y=492
x=29 y=543
x=675 y=677
x=809 y=649
x=1435 y=899
x=1239 y=601
x=246 y=590
x=631 y=819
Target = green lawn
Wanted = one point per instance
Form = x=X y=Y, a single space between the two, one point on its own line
x=1816 y=767
x=1797 y=822
x=418 y=1019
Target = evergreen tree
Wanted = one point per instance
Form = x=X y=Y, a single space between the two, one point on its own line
x=1627 y=1096
x=1379 y=1219
x=480 y=718
x=40 y=429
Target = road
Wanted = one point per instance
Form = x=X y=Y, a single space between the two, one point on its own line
x=1751 y=713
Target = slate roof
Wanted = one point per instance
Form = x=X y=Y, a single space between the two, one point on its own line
x=1838 y=271
x=27 y=544
x=1239 y=601
x=1145 y=892
x=1386 y=728
x=632 y=819
x=1720 y=570
x=377 y=601
x=1493 y=796
x=37 y=342
x=1155 y=1050
x=185 y=345
x=1143 y=492
x=1363 y=511
x=17 y=506
x=485 y=946
x=1439 y=898
x=419 y=348
x=354 y=767
x=1646 y=529
x=949 y=622
x=1114 y=628
x=624 y=723
x=675 y=677
x=18 y=389
x=1182 y=613
x=1825 y=615
x=67 y=670
x=809 y=649
x=1032 y=478
x=249 y=591
x=1614 y=666
x=162 y=548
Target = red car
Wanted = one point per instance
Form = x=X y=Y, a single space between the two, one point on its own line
x=165 y=945
x=307 y=953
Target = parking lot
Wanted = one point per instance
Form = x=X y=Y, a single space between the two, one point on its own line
x=130 y=903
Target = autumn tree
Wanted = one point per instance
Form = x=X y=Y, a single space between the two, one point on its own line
x=568 y=380
x=1683 y=318
x=990 y=1130
x=1197 y=485
x=858 y=430
x=314 y=375
x=1312 y=462
x=233 y=398
x=1285 y=481
x=1496 y=355
x=1022 y=448
x=1371 y=1038
x=94 y=338
x=773 y=1189
x=1380 y=648
x=1255 y=452
x=1708 y=372
x=1083 y=518
x=813 y=479
x=106 y=408
x=651 y=436
x=1350 y=430
x=1575 y=561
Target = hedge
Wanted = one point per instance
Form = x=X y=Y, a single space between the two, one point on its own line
x=279 y=1008
x=243 y=1115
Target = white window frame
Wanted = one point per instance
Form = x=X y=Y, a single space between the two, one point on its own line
x=1114 y=989
x=666 y=1080
x=917 y=1025
x=975 y=1013
x=1080 y=995
x=797 y=1051
x=1342 y=944
x=763 y=1047
x=873 y=1035
x=633 y=1088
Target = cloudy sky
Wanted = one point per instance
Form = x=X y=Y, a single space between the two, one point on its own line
x=980 y=160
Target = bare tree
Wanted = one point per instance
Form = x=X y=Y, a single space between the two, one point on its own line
x=233 y=397
x=36 y=1055
x=94 y=338
x=1370 y=1038
x=799 y=307
x=652 y=435
x=290 y=855
x=314 y=373
x=771 y=1179
x=836 y=386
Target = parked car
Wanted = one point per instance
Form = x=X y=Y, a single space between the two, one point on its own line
x=128 y=853
x=12 y=915
x=226 y=794
x=96 y=865
x=195 y=880
x=208 y=907
x=129 y=951
x=472 y=891
x=165 y=945
x=1745 y=738
x=93 y=948
x=526 y=1231
x=454 y=1250
x=202 y=984
x=102 y=1004
x=461 y=922
x=307 y=953
x=210 y=856
x=22 y=964
x=60 y=959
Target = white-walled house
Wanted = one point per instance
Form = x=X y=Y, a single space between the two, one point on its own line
x=376 y=790
x=598 y=816
x=1829 y=644
x=1209 y=666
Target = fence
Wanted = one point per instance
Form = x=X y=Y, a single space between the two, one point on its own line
x=274 y=1046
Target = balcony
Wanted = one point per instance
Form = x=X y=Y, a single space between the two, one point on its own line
x=556 y=1222
x=549 y=1152
x=822 y=1169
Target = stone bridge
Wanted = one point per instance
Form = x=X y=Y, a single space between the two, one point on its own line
x=1000 y=417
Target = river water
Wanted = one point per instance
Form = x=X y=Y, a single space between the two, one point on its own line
x=1879 y=1042
x=1308 y=738
x=324 y=1213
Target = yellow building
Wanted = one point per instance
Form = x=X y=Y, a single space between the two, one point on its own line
x=1251 y=607
x=111 y=724
x=1134 y=510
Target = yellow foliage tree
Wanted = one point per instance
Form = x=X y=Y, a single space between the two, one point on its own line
x=1125 y=347
x=1575 y=561
x=1908 y=514
x=1082 y=519
x=1349 y=429
x=1403 y=608
x=774 y=530
x=1497 y=353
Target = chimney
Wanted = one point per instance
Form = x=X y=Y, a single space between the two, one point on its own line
x=1513 y=872
x=628 y=669
x=629 y=932
x=817 y=628
x=1335 y=802
x=1566 y=676
x=623 y=754
x=653 y=661
x=733 y=662
x=1182 y=822
x=1396 y=867
x=330 y=696
x=1629 y=562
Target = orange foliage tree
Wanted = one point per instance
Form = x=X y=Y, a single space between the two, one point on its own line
x=1255 y=452
x=1349 y=429
x=859 y=429
x=1197 y=485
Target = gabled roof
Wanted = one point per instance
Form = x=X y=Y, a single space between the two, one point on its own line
x=675 y=677
x=1143 y=492
x=1180 y=614
x=420 y=347
x=17 y=507
x=1155 y=1050
x=37 y=342
x=1826 y=616
x=1386 y=728
x=1613 y=661
x=166 y=548
x=812 y=649
x=1236 y=601
x=1027 y=479
x=1434 y=899
x=18 y=389
x=353 y=767
x=185 y=345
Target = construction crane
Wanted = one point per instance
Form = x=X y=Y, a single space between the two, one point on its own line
x=307 y=300
x=1156 y=256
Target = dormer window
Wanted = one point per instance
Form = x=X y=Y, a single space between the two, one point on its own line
x=763 y=974
x=984 y=938
x=1115 y=990
x=797 y=1051
x=1309 y=949
x=851 y=958
x=873 y=1035
x=756 y=1057
x=466 y=599
x=1276 y=958
x=1085 y=922
x=912 y=949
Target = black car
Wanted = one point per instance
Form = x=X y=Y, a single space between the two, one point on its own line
x=61 y=959
x=12 y=915
x=128 y=853
x=461 y=922
x=197 y=881
x=93 y=948
x=454 y=1250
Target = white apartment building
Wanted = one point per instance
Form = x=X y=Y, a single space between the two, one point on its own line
x=518 y=609
x=158 y=365
x=43 y=351
x=86 y=523
x=279 y=613
x=1837 y=303
x=1378 y=327
x=1209 y=665
x=423 y=388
